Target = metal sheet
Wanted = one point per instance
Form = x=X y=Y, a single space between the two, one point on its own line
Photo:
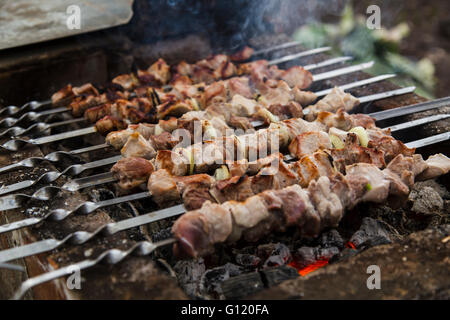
x=25 y=22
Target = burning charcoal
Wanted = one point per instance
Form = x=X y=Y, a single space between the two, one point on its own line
x=242 y=286
x=306 y=256
x=189 y=273
x=162 y=234
x=274 y=254
x=327 y=253
x=426 y=201
x=274 y=276
x=210 y=282
x=247 y=260
x=372 y=232
x=344 y=255
x=331 y=238
x=439 y=188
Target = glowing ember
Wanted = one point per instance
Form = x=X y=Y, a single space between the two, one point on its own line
x=350 y=245
x=310 y=268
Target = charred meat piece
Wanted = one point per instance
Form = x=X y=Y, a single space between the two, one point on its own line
x=127 y=82
x=63 y=95
x=109 y=123
x=353 y=153
x=132 y=172
x=157 y=74
x=242 y=55
x=81 y=103
x=163 y=141
x=283 y=112
x=67 y=93
x=437 y=165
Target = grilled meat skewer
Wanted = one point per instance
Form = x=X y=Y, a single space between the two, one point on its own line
x=167 y=184
x=437 y=165
x=282 y=131
x=319 y=206
x=197 y=231
x=204 y=72
x=207 y=70
x=217 y=118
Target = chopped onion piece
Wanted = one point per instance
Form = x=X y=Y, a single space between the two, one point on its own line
x=337 y=142
x=222 y=173
x=362 y=135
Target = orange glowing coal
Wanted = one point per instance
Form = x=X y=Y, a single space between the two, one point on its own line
x=350 y=245
x=303 y=271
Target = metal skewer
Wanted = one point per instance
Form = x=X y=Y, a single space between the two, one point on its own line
x=112 y=256
x=52 y=176
x=46 y=192
x=16 y=144
x=29 y=162
x=51 y=157
x=17 y=131
x=36 y=105
x=32 y=116
x=29 y=106
x=285 y=45
x=81 y=237
x=37 y=128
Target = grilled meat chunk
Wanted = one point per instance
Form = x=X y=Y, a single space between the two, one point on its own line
x=132 y=172
x=242 y=55
x=283 y=112
x=81 y=103
x=127 y=82
x=297 y=77
x=166 y=188
x=332 y=102
x=137 y=146
x=158 y=73
x=437 y=165
x=109 y=123
x=67 y=93
x=309 y=142
x=117 y=139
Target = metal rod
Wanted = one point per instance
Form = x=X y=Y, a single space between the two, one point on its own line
x=420 y=107
x=418 y=122
x=112 y=256
x=355 y=84
x=61 y=214
x=277 y=47
x=16 y=144
x=52 y=176
x=429 y=140
x=342 y=71
x=37 y=128
x=81 y=237
x=30 y=116
x=29 y=106
x=387 y=94
x=298 y=55
x=51 y=157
